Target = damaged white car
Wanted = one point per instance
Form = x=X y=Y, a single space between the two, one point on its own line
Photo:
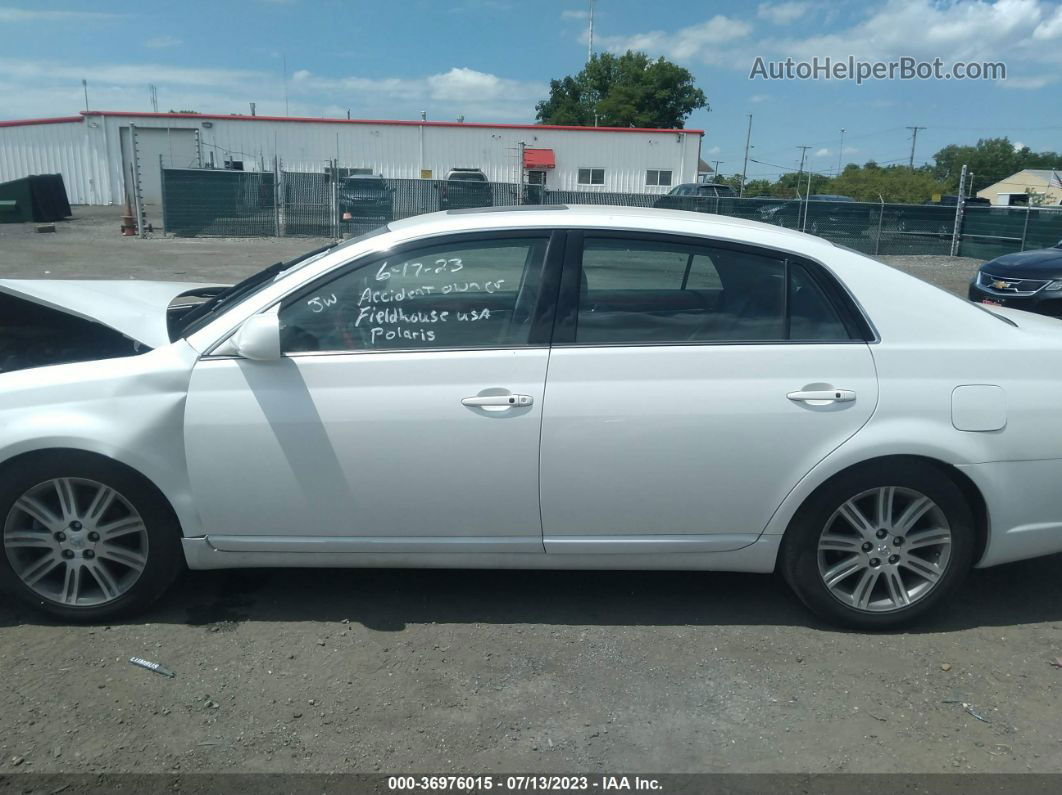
x=575 y=388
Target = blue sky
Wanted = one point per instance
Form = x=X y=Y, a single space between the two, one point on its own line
x=491 y=60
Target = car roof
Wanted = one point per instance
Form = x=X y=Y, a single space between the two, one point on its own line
x=646 y=219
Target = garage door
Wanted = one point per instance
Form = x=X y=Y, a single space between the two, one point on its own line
x=178 y=147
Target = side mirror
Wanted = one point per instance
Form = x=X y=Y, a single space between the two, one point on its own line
x=259 y=337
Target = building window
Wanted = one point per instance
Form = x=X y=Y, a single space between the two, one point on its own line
x=656 y=176
x=591 y=176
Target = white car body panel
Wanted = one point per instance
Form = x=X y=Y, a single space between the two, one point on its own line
x=369 y=446
x=619 y=460
x=139 y=410
x=136 y=309
x=129 y=409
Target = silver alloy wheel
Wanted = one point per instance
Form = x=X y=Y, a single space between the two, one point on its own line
x=884 y=549
x=76 y=542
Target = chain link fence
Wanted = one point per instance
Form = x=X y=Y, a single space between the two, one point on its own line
x=332 y=203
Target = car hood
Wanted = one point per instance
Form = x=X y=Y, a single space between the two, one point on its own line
x=136 y=309
x=1042 y=263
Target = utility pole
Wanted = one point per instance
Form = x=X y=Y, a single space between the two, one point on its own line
x=840 y=153
x=153 y=92
x=715 y=169
x=84 y=85
x=803 y=152
x=590 y=39
x=745 y=168
x=914 y=138
x=960 y=208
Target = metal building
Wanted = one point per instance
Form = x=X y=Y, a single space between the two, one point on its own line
x=98 y=152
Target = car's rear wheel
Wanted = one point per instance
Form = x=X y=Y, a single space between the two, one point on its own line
x=880 y=546
x=85 y=539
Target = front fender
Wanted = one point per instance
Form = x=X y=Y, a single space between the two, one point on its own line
x=130 y=410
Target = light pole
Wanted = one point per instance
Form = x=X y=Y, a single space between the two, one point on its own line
x=840 y=153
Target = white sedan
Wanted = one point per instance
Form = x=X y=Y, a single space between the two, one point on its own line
x=559 y=387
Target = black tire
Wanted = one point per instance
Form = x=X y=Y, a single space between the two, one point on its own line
x=165 y=559
x=800 y=548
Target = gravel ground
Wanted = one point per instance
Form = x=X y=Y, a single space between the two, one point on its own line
x=398 y=671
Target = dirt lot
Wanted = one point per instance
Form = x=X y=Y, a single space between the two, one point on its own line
x=403 y=671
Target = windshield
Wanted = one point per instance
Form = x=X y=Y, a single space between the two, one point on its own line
x=208 y=310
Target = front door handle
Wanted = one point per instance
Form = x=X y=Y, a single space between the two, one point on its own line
x=821 y=396
x=480 y=401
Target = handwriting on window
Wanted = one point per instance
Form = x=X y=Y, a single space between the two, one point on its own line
x=387 y=314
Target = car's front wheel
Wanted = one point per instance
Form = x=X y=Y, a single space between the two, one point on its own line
x=880 y=546
x=84 y=538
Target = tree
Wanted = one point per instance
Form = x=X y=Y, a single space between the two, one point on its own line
x=631 y=90
x=991 y=160
x=895 y=183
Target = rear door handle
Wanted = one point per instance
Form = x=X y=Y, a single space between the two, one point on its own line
x=823 y=396
x=498 y=400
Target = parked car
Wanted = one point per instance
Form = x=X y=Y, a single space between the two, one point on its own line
x=826 y=213
x=464 y=188
x=951 y=201
x=1029 y=280
x=386 y=402
x=366 y=196
x=699 y=197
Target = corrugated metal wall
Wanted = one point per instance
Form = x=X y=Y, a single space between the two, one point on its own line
x=74 y=149
x=403 y=151
x=89 y=153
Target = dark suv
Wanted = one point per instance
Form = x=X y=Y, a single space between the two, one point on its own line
x=365 y=196
x=699 y=197
x=465 y=187
x=1029 y=280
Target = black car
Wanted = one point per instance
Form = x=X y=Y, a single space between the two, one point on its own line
x=698 y=197
x=365 y=196
x=826 y=213
x=465 y=188
x=1029 y=280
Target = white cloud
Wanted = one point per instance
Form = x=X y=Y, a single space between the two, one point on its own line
x=824 y=152
x=702 y=40
x=951 y=31
x=8 y=14
x=758 y=98
x=1018 y=32
x=159 y=42
x=571 y=13
x=127 y=74
x=56 y=91
x=782 y=13
x=1025 y=83
x=460 y=85
x=463 y=84
x=1018 y=146
x=713 y=151
x=1050 y=28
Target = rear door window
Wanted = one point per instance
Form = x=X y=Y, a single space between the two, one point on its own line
x=636 y=291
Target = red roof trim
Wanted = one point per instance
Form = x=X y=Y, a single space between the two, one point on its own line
x=310 y=120
x=55 y=120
